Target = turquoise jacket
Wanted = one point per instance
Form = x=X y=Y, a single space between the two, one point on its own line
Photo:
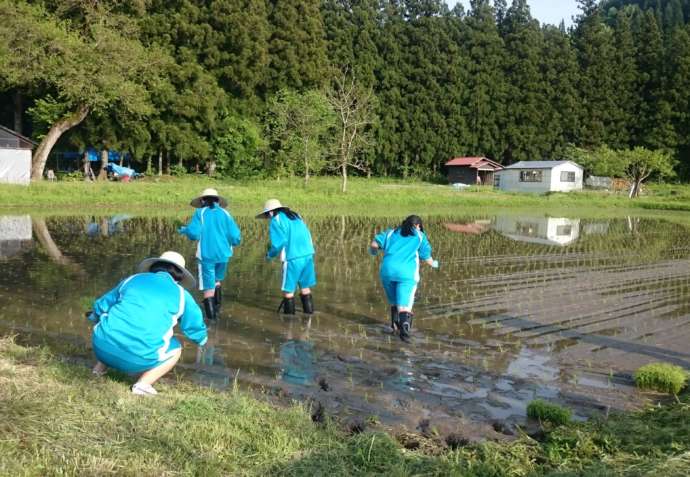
x=216 y=231
x=401 y=255
x=138 y=316
x=290 y=239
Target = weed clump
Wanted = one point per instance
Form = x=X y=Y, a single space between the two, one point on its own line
x=661 y=377
x=547 y=412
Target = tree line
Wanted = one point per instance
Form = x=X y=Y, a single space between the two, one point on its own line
x=248 y=88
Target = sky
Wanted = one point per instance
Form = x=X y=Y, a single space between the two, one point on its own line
x=546 y=11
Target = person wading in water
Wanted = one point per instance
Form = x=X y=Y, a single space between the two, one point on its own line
x=291 y=240
x=403 y=248
x=217 y=233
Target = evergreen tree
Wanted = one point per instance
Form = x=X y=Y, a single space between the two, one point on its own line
x=485 y=97
x=526 y=108
x=297 y=46
x=678 y=93
x=626 y=84
x=601 y=110
x=561 y=77
x=654 y=130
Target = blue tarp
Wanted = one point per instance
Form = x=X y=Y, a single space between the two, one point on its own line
x=122 y=171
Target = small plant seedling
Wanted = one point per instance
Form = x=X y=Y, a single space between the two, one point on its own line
x=661 y=377
x=548 y=412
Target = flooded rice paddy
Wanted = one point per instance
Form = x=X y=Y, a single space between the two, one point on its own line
x=523 y=307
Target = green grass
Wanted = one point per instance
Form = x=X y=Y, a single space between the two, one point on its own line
x=169 y=195
x=547 y=412
x=56 y=419
x=661 y=377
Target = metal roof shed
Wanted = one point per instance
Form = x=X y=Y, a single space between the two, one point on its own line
x=15 y=157
x=541 y=177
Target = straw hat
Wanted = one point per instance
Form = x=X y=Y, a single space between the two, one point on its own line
x=196 y=202
x=271 y=204
x=173 y=258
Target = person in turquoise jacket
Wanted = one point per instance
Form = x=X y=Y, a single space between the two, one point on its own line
x=135 y=321
x=403 y=248
x=291 y=240
x=217 y=233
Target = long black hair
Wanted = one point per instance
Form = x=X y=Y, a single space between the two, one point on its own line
x=174 y=272
x=209 y=201
x=407 y=228
x=291 y=214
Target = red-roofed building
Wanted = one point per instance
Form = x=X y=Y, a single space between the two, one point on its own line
x=472 y=170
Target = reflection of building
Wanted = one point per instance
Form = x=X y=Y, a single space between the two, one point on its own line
x=15 y=234
x=541 y=230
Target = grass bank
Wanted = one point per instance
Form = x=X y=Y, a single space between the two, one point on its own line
x=55 y=419
x=168 y=195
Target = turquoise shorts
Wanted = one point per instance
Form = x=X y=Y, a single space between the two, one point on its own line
x=299 y=271
x=210 y=273
x=128 y=363
x=400 y=293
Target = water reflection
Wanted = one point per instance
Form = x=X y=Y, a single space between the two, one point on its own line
x=558 y=231
x=513 y=314
x=15 y=235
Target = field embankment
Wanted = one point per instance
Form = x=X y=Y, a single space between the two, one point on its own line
x=168 y=195
x=56 y=419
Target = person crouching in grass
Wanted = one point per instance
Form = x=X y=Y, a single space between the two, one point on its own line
x=291 y=240
x=136 y=319
x=217 y=233
x=403 y=248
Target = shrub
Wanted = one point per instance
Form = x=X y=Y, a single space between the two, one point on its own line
x=662 y=377
x=547 y=412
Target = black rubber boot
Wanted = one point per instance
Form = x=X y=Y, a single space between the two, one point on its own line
x=210 y=309
x=395 y=324
x=287 y=306
x=218 y=299
x=405 y=320
x=307 y=304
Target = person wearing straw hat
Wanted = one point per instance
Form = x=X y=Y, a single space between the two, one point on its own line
x=217 y=233
x=291 y=240
x=403 y=248
x=136 y=319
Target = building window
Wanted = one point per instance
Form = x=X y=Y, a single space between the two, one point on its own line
x=564 y=230
x=530 y=176
x=567 y=176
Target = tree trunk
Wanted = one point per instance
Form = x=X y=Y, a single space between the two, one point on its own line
x=306 y=162
x=211 y=167
x=343 y=169
x=167 y=163
x=103 y=173
x=149 y=165
x=160 y=162
x=56 y=130
x=86 y=165
x=18 y=111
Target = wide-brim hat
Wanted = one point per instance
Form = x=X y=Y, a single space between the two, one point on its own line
x=196 y=202
x=172 y=258
x=271 y=204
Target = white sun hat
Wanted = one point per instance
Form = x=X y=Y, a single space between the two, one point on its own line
x=271 y=204
x=196 y=202
x=173 y=258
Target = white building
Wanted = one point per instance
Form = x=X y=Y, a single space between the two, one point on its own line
x=553 y=231
x=540 y=177
x=15 y=157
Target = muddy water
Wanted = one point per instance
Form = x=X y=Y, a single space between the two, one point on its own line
x=523 y=307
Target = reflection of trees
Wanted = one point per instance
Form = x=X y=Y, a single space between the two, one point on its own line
x=46 y=240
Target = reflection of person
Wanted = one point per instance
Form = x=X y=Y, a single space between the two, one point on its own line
x=402 y=247
x=135 y=321
x=297 y=356
x=217 y=233
x=290 y=238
